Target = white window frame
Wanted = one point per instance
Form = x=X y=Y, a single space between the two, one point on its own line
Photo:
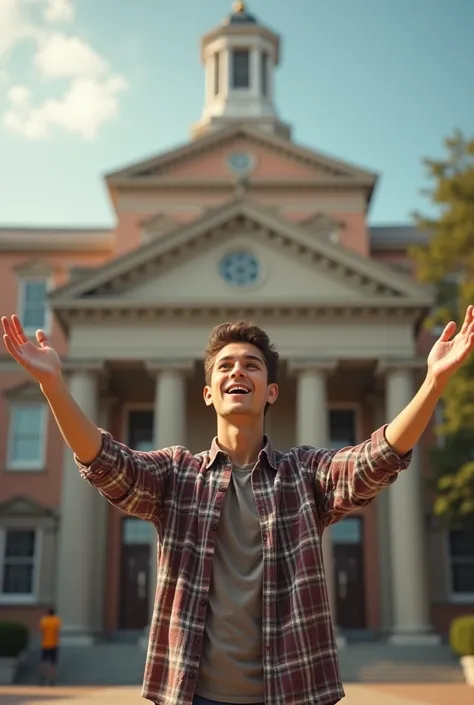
x=454 y=597
x=22 y=599
x=21 y=302
x=27 y=466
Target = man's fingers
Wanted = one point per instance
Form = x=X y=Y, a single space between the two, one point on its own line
x=42 y=338
x=21 y=337
x=468 y=318
x=10 y=331
x=13 y=349
x=448 y=331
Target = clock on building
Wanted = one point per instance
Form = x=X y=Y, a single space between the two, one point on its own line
x=240 y=162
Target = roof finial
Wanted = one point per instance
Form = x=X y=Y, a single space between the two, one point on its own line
x=239 y=6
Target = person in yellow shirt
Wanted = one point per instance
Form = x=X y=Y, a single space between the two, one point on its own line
x=50 y=628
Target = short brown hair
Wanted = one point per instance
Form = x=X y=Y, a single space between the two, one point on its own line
x=240 y=332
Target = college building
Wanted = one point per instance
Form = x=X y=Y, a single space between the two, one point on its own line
x=238 y=222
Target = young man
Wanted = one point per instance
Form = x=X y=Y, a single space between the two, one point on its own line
x=241 y=610
x=50 y=628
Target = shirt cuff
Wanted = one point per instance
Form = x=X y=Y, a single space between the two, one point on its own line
x=103 y=462
x=390 y=458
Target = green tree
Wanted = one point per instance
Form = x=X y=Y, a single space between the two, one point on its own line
x=447 y=263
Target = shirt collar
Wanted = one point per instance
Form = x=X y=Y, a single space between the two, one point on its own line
x=267 y=451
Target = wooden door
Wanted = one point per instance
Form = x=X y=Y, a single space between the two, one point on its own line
x=348 y=548
x=134 y=574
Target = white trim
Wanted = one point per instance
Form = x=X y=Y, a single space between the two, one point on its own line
x=25 y=599
x=453 y=597
x=48 y=314
x=34 y=465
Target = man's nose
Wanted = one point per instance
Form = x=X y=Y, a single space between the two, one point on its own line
x=238 y=370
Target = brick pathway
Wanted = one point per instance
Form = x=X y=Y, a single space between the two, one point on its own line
x=397 y=694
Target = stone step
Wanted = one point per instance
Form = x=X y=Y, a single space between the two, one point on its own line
x=122 y=663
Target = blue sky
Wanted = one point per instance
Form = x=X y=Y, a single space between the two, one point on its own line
x=87 y=86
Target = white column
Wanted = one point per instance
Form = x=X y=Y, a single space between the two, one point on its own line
x=406 y=514
x=169 y=428
x=255 y=77
x=312 y=429
x=76 y=585
x=101 y=512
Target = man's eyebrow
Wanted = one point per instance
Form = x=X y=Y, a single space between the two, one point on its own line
x=249 y=356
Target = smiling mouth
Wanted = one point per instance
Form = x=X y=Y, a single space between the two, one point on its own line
x=238 y=391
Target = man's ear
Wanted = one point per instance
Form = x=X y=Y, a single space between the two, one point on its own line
x=207 y=395
x=273 y=392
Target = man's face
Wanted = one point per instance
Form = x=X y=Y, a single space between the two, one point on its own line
x=239 y=382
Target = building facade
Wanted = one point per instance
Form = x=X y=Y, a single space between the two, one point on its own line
x=239 y=222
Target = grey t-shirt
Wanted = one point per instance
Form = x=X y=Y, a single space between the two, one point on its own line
x=231 y=668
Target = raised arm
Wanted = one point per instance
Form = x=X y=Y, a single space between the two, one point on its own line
x=134 y=481
x=352 y=477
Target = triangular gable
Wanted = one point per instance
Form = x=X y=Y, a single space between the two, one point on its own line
x=168 y=251
x=321 y=164
x=20 y=506
x=159 y=224
x=320 y=222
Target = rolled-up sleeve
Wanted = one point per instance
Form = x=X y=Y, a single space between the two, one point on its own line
x=134 y=481
x=351 y=477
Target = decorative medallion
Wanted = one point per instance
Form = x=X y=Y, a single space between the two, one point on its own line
x=240 y=268
x=240 y=162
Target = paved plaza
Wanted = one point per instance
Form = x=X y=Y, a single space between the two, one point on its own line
x=387 y=694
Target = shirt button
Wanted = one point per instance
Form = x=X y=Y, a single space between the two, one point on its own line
x=191 y=675
x=268 y=647
x=214 y=527
x=222 y=488
x=203 y=601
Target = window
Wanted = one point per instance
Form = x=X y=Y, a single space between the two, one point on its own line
x=140 y=429
x=216 y=73
x=461 y=557
x=264 y=72
x=342 y=428
x=33 y=308
x=18 y=564
x=241 y=68
x=27 y=437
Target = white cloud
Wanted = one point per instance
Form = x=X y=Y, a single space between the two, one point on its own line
x=59 y=56
x=89 y=101
x=84 y=107
x=19 y=95
x=59 y=11
x=14 y=26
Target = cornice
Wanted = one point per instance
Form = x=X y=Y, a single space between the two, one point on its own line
x=43 y=240
x=141 y=183
x=109 y=311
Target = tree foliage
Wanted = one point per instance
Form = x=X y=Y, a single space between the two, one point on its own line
x=447 y=263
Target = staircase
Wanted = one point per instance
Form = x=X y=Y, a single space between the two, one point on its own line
x=122 y=663
x=384 y=663
x=107 y=663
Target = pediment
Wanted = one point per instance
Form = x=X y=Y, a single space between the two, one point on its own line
x=33 y=267
x=24 y=392
x=197 y=160
x=20 y=506
x=158 y=224
x=343 y=274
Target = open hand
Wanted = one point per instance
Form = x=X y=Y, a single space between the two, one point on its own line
x=448 y=353
x=42 y=362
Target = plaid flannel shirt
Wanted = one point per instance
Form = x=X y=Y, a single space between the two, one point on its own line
x=298 y=494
